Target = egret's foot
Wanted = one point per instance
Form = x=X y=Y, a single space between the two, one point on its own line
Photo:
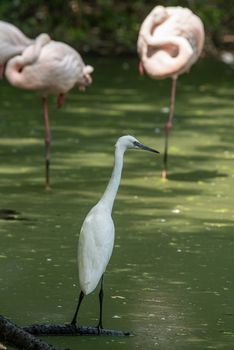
x=73 y=323
x=164 y=174
x=99 y=328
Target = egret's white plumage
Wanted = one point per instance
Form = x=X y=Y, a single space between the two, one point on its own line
x=97 y=234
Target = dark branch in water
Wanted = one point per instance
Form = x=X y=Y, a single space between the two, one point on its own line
x=17 y=337
x=68 y=329
x=24 y=338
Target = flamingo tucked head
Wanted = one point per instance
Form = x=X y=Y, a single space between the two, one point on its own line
x=85 y=78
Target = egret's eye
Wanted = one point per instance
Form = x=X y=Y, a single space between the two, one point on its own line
x=136 y=144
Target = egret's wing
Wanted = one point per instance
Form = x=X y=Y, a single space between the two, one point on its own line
x=95 y=248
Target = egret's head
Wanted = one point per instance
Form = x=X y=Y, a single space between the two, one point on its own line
x=130 y=142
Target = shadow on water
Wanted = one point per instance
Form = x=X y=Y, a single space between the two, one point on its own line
x=10 y=214
x=197 y=175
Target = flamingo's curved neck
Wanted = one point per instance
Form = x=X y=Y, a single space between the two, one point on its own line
x=185 y=52
x=40 y=41
x=30 y=55
x=15 y=66
x=167 y=65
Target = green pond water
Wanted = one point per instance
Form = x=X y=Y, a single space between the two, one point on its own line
x=170 y=280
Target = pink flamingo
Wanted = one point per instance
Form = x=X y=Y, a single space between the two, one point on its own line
x=169 y=43
x=12 y=43
x=48 y=67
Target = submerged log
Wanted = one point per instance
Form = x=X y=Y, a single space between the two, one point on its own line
x=24 y=338
x=69 y=329
x=19 y=338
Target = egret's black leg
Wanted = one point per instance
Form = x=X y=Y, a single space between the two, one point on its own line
x=73 y=322
x=101 y=294
x=168 y=126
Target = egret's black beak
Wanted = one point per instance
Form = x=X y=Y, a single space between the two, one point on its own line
x=140 y=145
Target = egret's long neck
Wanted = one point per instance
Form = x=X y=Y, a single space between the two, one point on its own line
x=113 y=185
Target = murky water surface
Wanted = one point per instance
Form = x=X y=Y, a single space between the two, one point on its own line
x=170 y=279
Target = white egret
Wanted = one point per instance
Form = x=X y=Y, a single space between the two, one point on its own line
x=97 y=233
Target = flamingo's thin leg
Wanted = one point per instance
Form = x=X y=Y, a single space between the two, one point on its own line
x=47 y=142
x=168 y=126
